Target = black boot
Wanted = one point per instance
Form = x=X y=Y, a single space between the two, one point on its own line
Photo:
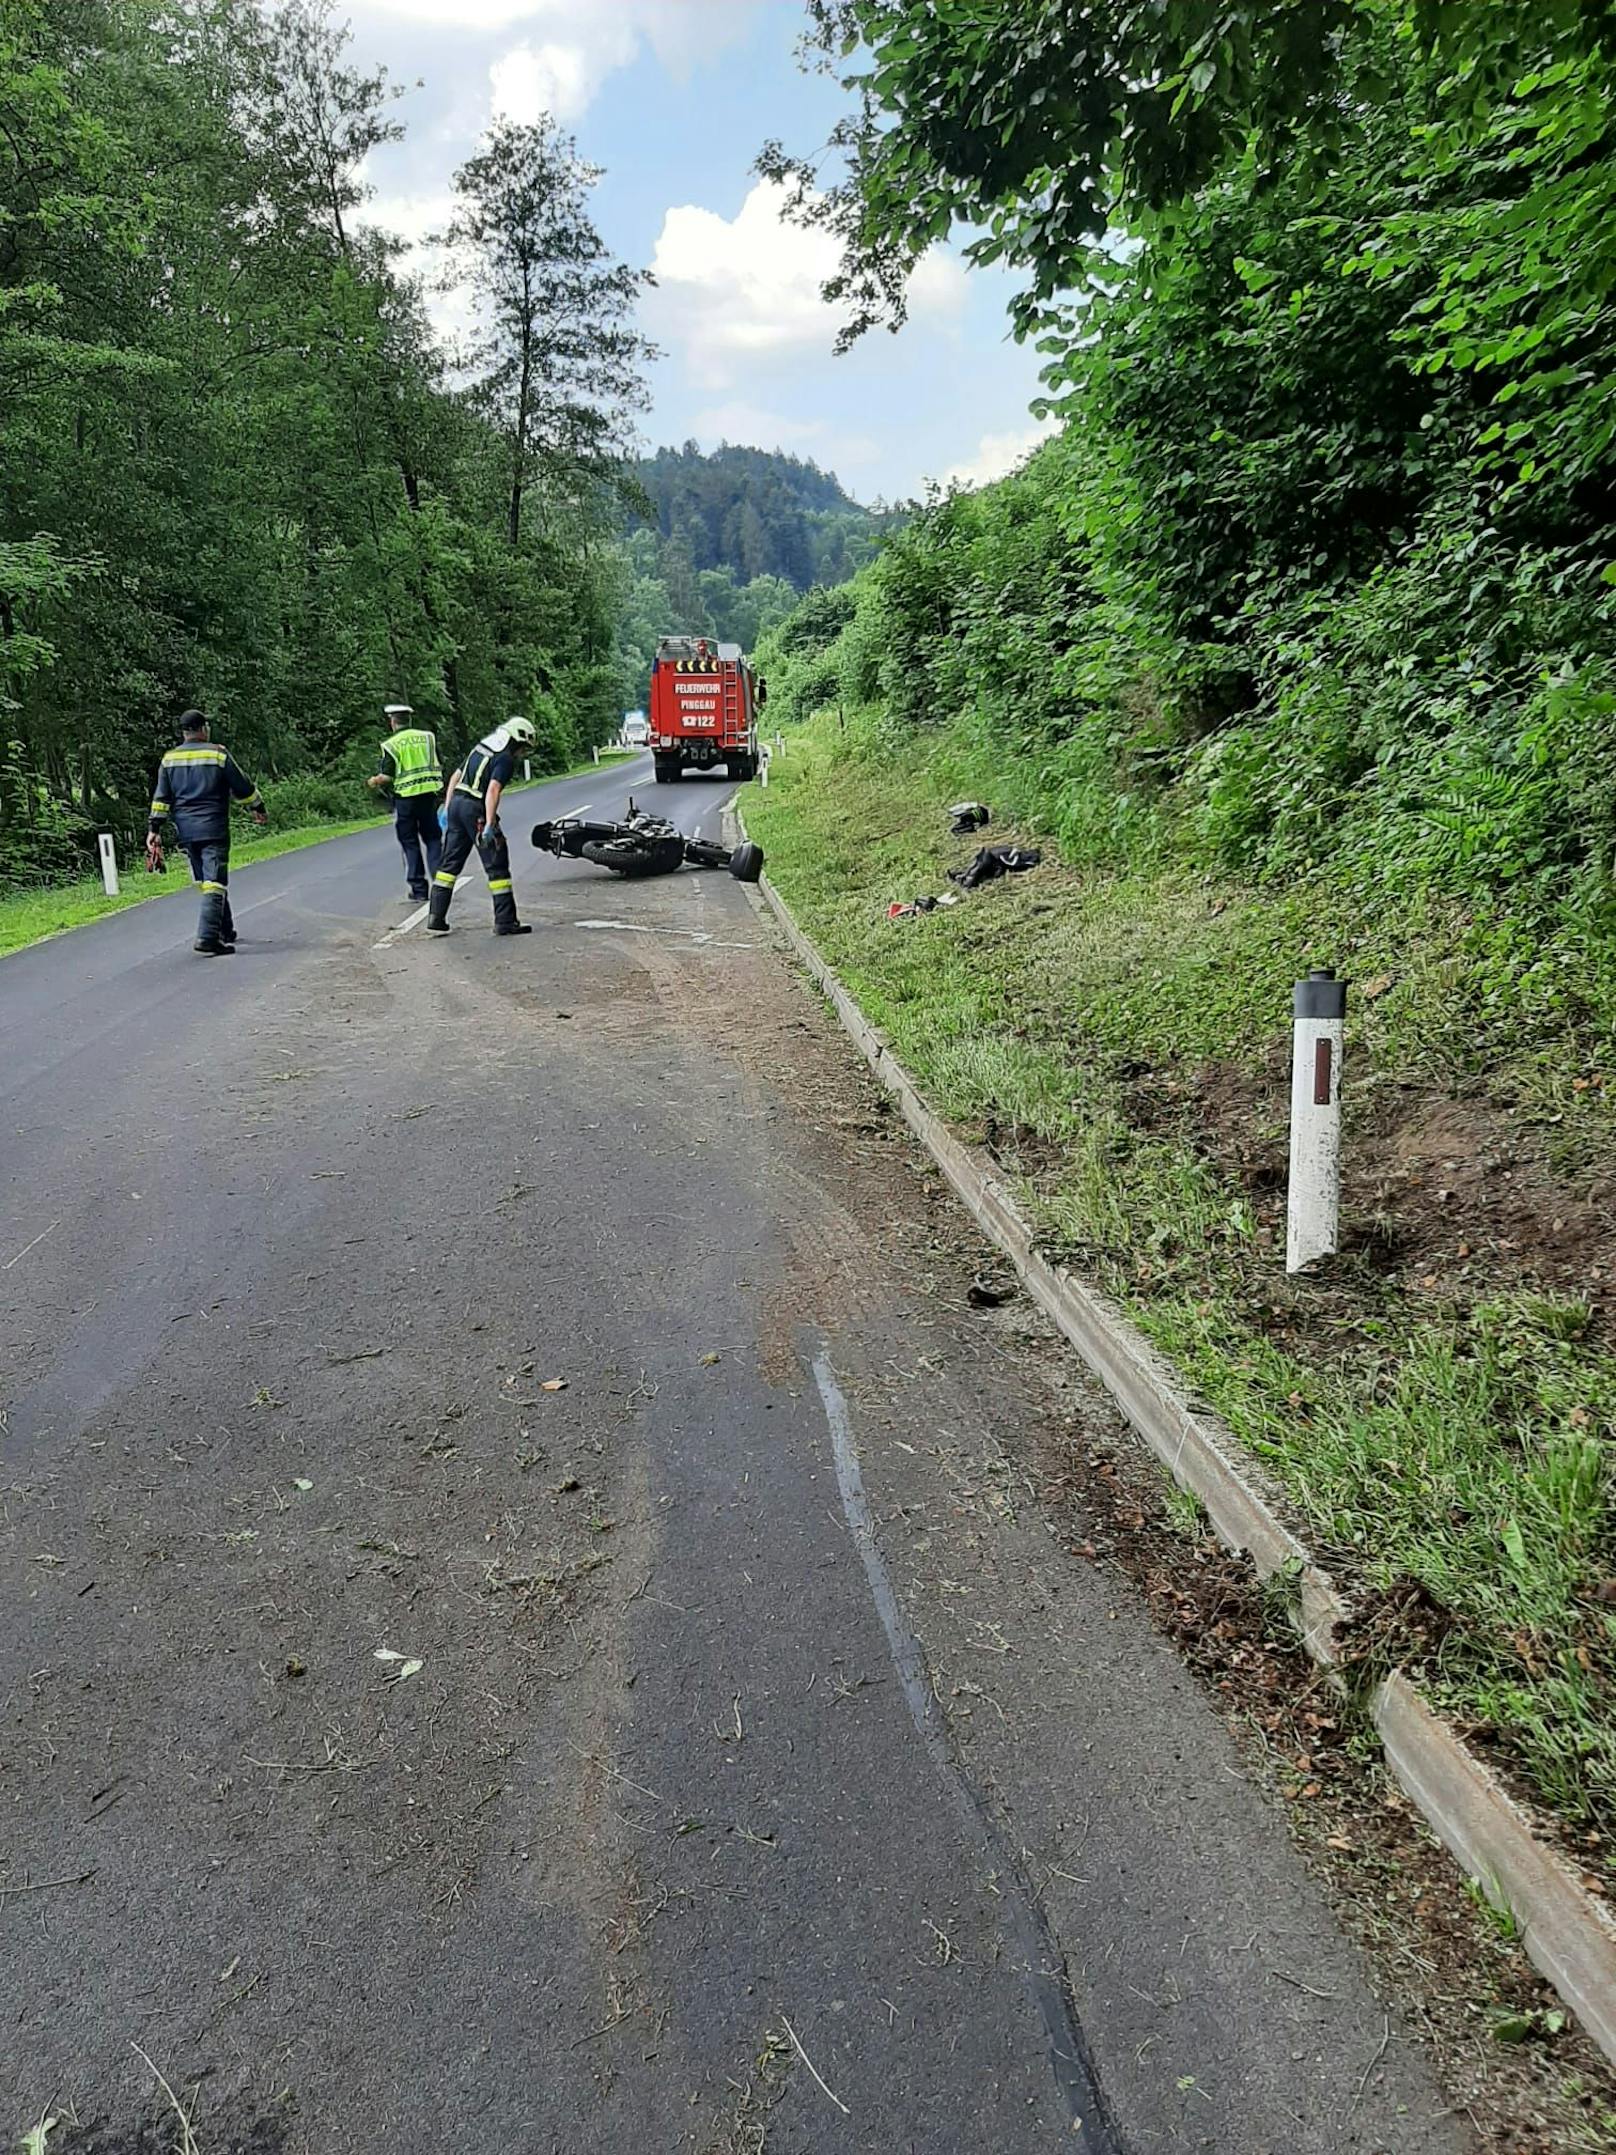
x=517 y=927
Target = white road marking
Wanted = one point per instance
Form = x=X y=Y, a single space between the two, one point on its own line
x=684 y=935
x=274 y=895
x=405 y=926
x=415 y=918
x=23 y=1252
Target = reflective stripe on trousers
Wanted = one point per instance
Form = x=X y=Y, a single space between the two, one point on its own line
x=459 y=841
x=210 y=872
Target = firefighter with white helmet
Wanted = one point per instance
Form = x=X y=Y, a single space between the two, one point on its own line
x=471 y=820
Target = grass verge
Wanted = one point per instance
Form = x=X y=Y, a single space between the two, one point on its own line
x=29 y=916
x=1439 y=1404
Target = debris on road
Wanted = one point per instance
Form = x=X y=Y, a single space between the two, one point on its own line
x=990 y=1294
x=967 y=816
x=407 y=1665
x=186 y=2144
x=796 y=2044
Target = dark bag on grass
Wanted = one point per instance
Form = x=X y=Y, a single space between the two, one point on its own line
x=994 y=861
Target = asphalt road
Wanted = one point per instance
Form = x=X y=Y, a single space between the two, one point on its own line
x=520 y=1628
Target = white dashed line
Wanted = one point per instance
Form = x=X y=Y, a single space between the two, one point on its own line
x=415 y=919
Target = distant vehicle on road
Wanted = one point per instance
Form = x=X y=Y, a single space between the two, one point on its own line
x=705 y=701
x=636 y=730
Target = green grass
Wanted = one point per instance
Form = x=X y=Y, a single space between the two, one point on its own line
x=1464 y=1444
x=30 y=916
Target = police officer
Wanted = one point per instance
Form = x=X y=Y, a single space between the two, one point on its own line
x=195 y=785
x=471 y=818
x=410 y=770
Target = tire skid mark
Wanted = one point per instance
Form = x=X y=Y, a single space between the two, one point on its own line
x=1043 y=1967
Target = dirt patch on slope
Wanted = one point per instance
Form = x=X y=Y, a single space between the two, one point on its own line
x=1440 y=1196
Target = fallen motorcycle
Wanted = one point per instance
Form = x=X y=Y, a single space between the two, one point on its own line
x=642 y=845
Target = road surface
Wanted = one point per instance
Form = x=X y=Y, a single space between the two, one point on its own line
x=521 y=1631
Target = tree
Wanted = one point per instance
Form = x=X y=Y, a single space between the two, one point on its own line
x=557 y=360
x=1042 y=126
x=233 y=470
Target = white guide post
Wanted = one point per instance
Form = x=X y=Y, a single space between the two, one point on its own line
x=109 y=863
x=596 y=754
x=527 y=770
x=779 y=744
x=764 y=760
x=1314 y=1209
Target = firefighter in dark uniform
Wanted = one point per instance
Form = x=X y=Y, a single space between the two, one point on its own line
x=471 y=820
x=409 y=769
x=195 y=785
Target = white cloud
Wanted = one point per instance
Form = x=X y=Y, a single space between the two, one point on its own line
x=571 y=46
x=997 y=454
x=558 y=78
x=413 y=217
x=732 y=292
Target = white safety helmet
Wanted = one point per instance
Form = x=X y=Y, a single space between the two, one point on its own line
x=519 y=729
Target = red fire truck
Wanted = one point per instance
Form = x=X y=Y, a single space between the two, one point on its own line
x=705 y=701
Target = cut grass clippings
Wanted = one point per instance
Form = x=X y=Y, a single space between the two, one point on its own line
x=1443 y=1425
x=30 y=916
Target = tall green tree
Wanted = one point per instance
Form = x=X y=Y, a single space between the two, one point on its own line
x=557 y=359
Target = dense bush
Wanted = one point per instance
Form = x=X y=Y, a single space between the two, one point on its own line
x=1319 y=573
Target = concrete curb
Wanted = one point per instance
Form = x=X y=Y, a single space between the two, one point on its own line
x=1568 y=1933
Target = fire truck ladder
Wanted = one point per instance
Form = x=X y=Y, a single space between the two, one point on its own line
x=732 y=702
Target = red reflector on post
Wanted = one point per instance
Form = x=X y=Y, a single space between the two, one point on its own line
x=1321 y=1073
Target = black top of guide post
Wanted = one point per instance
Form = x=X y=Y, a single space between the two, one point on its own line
x=1320 y=995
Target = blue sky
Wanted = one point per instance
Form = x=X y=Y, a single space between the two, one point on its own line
x=674 y=98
